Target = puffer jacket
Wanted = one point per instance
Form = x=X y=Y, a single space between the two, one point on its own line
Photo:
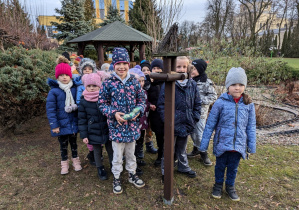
x=92 y=123
x=144 y=118
x=234 y=125
x=67 y=122
x=187 y=107
x=80 y=88
x=115 y=96
x=207 y=92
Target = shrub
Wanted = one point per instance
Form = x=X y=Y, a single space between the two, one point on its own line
x=23 y=75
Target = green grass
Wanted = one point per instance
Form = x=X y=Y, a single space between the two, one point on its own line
x=30 y=179
x=293 y=63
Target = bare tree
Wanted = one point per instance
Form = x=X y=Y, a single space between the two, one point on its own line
x=189 y=33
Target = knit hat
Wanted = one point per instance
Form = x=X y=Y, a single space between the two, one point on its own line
x=66 y=55
x=236 y=76
x=105 y=67
x=87 y=62
x=94 y=78
x=200 y=65
x=138 y=67
x=136 y=71
x=145 y=63
x=73 y=56
x=62 y=67
x=120 y=55
x=157 y=63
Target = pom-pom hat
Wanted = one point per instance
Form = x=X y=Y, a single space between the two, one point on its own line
x=94 y=78
x=62 y=67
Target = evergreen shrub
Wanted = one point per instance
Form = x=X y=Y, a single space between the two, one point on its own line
x=23 y=76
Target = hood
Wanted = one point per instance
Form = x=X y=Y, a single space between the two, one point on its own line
x=77 y=81
x=52 y=83
x=227 y=97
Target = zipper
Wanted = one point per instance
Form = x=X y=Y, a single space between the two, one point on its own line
x=236 y=119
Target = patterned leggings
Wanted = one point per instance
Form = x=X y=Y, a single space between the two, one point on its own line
x=64 y=140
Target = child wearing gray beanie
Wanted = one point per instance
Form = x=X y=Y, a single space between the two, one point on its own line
x=233 y=119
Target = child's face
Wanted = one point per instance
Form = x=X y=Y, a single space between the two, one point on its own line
x=87 y=70
x=181 y=65
x=141 y=81
x=121 y=69
x=194 y=73
x=236 y=90
x=64 y=78
x=146 y=70
x=156 y=70
x=92 y=88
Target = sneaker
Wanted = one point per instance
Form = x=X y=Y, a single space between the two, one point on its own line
x=194 y=152
x=191 y=174
x=150 y=148
x=133 y=178
x=102 y=173
x=140 y=162
x=217 y=190
x=230 y=190
x=117 y=189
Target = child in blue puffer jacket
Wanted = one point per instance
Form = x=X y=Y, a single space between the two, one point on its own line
x=233 y=119
x=62 y=115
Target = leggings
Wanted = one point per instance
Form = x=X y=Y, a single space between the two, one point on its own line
x=64 y=140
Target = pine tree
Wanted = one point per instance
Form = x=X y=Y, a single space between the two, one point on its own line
x=89 y=11
x=73 y=23
x=112 y=16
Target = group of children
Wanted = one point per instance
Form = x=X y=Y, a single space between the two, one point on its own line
x=120 y=110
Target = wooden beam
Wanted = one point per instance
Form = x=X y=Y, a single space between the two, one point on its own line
x=81 y=47
x=141 y=51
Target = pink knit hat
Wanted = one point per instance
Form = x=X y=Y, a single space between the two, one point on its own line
x=63 y=68
x=94 y=78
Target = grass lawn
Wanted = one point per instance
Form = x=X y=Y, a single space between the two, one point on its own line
x=30 y=179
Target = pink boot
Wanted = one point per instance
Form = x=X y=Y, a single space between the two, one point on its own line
x=77 y=164
x=65 y=167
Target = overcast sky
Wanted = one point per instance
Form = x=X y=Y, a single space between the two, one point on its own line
x=193 y=10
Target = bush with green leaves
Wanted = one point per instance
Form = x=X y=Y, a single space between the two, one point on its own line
x=23 y=76
x=260 y=70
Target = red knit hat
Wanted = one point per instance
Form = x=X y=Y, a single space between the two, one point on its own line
x=63 y=68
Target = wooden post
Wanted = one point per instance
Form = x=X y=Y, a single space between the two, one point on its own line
x=100 y=52
x=141 y=51
x=131 y=53
x=81 y=47
x=168 y=75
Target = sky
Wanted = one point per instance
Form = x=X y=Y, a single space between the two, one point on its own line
x=193 y=10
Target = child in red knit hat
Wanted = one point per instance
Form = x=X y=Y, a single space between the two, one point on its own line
x=61 y=113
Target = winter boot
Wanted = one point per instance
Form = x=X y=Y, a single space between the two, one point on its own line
x=205 y=159
x=117 y=189
x=194 y=152
x=139 y=149
x=150 y=147
x=230 y=190
x=90 y=157
x=217 y=190
x=102 y=173
x=133 y=178
x=139 y=171
x=65 y=167
x=77 y=164
x=191 y=174
x=140 y=162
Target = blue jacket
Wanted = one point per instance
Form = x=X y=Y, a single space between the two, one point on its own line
x=115 y=96
x=80 y=88
x=67 y=122
x=92 y=123
x=234 y=125
x=187 y=107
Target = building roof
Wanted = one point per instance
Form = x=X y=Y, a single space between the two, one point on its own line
x=116 y=32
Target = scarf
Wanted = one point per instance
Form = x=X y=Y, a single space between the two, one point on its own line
x=202 y=77
x=69 y=100
x=91 y=96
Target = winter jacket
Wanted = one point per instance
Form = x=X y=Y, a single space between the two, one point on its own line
x=144 y=118
x=234 y=125
x=80 y=88
x=187 y=107
x=92 y=123
x=115 y=96
x=58 y=118
x=207 y=92
x=156 y=122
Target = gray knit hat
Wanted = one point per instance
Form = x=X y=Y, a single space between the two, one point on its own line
x=87 y=62
x=235 y=76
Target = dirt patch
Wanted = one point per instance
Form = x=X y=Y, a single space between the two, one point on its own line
x=288 y=93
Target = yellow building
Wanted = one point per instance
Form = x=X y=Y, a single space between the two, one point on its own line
x=101 y=7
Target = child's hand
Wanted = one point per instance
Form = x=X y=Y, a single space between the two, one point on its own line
x=152 y=107
x=136 y=116
x=118 y=117
x=85 y=140
x=55 y=130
